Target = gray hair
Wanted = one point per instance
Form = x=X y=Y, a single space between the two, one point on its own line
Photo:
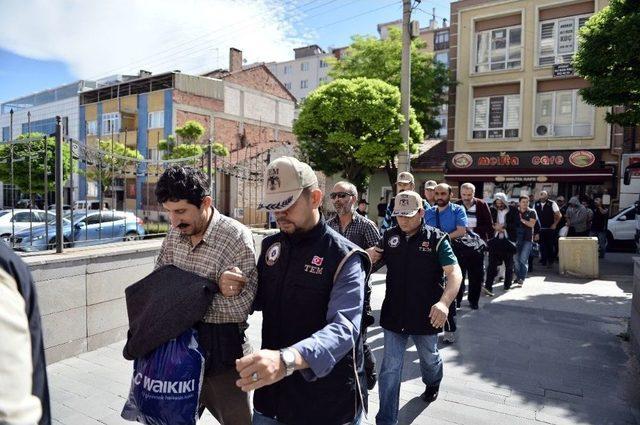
x=468 y=186
x=349 y=186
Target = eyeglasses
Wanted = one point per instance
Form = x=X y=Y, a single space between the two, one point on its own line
x=341 y=195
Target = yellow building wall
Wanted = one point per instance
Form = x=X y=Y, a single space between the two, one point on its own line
x=91 y=112
x=155 y=101
x=129 y=103
x=110 y=105
x=527 y=77
x=153 y=136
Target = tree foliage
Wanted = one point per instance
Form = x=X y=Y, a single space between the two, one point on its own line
x=34 y=153
x=374 y=58
x=352 y=127
x=609 y=58
x=109 y=163
x=190 y=132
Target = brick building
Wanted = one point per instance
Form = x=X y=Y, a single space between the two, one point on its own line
x=246 y=109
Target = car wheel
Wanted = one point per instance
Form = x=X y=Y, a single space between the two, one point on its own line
x=131 y=236
x=65 y=243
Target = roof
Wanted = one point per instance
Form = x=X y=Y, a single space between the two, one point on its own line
x=222 y=74
x=432 y=153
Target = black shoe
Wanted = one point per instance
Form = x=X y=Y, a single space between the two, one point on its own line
x=430 y=394
x=372 y=378
x=473 y=306
x=457 y=304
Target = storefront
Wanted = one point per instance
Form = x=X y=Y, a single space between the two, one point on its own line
x=564 y=173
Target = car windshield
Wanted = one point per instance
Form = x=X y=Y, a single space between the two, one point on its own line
x=4 y=212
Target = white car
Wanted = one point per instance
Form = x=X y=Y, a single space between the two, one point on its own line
x=17 y=220
x=622 y=226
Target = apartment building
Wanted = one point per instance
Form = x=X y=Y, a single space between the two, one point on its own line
x=517 y=122
x=305 y=72
x=245 y=108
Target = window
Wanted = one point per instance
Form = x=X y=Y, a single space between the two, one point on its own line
x=442 y=37
x=286 y=69
x=287 y=86
x=92 y=127
x=557 y=39
x=323 y=63
x=5 y=133
x=498 y=49
x=303 y=84
x=322 y=80
x=562 y=114
x=46 y=126
x=304 y=66
x=23 y=217
x=496 y=117
x=443 y=58
x=302 y=99
x=110 y=123
x=156 y=119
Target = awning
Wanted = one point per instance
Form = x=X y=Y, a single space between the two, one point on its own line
x=586 y=176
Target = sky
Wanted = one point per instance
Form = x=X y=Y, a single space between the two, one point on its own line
x=68 y=40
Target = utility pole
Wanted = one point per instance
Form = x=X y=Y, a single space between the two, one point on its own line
x=404 y=159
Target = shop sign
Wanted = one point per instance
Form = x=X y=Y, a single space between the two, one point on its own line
x=529 y=160
x=562 y=70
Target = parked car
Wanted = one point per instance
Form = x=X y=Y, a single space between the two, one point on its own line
x=89 y=228
x=20 y=219
x=622 y=226
x=91 y=205
x=65 y=207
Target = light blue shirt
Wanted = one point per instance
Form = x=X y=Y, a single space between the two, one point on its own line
x=329 y=345
x=450 y=218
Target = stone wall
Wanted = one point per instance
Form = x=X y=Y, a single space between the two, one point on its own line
x=81 y=293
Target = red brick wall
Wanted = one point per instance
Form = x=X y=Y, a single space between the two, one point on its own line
x=260 y=79
x=180 y=97
x=183 y=116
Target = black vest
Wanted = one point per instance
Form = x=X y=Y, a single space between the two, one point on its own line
x=296 y=275
x=415 y=280
x=545 y=214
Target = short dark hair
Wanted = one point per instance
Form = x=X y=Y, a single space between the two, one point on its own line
x=523 y=197
x=178 y=183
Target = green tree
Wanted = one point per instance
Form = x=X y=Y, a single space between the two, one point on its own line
x=352 y=127
x=109 y=163
x=190 y=132
x=374 y=58
x=34 y=153
x=609 y=58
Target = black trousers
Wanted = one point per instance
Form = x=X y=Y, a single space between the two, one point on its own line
x=472 y=267
x=495 y=259
x=547 y=245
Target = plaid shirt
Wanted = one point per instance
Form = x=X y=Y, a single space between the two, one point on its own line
x=226 y=244
x=361 y=231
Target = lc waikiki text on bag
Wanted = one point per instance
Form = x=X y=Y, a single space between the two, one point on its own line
x=166 y=383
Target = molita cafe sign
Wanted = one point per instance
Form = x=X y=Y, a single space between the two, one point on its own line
x=507 y=160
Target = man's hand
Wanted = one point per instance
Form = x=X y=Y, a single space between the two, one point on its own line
x=259 y=369
x=232 y=282
x=554 y=226
x=536 y=237
x=438 y=314
x=375 y=254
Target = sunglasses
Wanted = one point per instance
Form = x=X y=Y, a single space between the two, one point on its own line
x=341 y=195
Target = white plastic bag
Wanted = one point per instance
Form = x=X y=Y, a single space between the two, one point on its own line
x=564 y=231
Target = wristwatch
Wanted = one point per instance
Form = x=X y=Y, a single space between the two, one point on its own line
x=288 y=357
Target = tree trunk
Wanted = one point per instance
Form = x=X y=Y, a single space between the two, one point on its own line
x=392 y=173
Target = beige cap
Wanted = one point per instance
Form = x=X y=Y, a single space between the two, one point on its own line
x=284 y=180
x=407 y=204
x=430 y=184
x=405 y=177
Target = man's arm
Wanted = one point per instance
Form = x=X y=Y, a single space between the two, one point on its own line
x=316 y=355
x=240 y=264
x=371 y=235
x=461 y=223
x=449 y=262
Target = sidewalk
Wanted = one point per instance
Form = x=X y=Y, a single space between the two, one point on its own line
x=544 y=353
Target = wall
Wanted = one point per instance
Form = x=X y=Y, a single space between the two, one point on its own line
x=64 y=108
x=81 y=293
x=635 y=309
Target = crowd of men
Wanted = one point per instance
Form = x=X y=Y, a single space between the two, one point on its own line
x=311 y=283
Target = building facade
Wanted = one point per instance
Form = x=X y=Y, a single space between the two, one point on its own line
x=305 y=72
x=517 y=122
x=246 y=109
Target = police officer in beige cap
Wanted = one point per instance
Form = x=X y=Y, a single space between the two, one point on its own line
x=416 y=302
x=404 y=182
x=310 y=290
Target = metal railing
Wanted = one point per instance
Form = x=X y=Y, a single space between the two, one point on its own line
x=82 y=193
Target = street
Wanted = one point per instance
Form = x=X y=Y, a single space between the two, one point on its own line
x=548 y=352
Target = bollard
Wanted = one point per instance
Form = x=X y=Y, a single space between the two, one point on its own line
x=579 y=256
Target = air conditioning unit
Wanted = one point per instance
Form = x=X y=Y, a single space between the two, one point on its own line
x=544 y=130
